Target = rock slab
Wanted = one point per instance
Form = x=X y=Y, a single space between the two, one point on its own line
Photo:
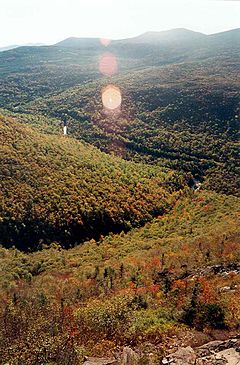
x=212 y=353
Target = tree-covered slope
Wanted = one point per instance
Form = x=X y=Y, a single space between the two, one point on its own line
x=182 y=116
x=30 y=72
x=180 y=98
x=54 y=188
x=136 y=289
x=104 y=250
x=201 y=229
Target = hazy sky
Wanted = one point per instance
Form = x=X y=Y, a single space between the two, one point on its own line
x=49 y=21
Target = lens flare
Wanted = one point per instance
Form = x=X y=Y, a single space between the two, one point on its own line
x=108 y=64
x=105 y=42
x=111 y=97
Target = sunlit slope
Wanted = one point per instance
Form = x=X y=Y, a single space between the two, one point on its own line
x=129 y=288
x=201 y=230
x=54 y=188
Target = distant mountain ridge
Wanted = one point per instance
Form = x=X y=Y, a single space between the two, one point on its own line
x=8 y=48
x=166 y=36
x=229 y=36
x=173 y=35
x=76 y=42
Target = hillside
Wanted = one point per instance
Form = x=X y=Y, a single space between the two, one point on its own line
x=170 y=37
x=147 y=288
x=180 y=92
x=189 y=114
x=54 y=188
x=31 y=72
x=85 y=43
x=125 y=231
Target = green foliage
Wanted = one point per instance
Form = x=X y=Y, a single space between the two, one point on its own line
x=69 y=308
x=106 y=319
x=203 y=315
x=188 y=128
x=149 y=244
x=150 y=324
x=212 y=315
x=180 y=104
x=55 y=188
x=122 y=318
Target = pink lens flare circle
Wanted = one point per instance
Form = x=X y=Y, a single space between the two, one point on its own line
x=105 y=42
x=111 y=97
x=108 y=64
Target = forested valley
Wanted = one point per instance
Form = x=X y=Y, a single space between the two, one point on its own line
x=119 y=227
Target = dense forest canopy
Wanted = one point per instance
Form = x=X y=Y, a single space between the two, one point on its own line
x=55 y=188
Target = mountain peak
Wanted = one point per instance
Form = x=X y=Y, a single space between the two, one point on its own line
x=177 y=34
x=172 y=31
x=78 y=42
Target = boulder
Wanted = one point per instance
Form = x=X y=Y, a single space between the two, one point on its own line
x=211 y=360
x=210 y=347
x=183 y=356
x=225 y=357
x=216 y=347
x=129 y=357
x=231 y=355
x=211 y=353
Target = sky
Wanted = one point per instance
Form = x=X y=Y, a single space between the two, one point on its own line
x=49 y=21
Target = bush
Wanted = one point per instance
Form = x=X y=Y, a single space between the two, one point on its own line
x=150 y=324
x=203 y=315
x=105 y=319
x=212 y=315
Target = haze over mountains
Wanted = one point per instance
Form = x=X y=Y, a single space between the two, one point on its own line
x=7 y=48
x=154 y=37
x=173 y=35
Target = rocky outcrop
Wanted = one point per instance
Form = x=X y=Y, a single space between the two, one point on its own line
x=212 y=353
x=225 y=357
x=183 y=356
x=217 y=346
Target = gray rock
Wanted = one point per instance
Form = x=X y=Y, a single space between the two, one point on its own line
x=231 y=355
x=183 y=356
x=225 y=289
x=165 y=361
x=219 y=353
x=211 y=353
x=211 y=360
x=130 y=357
x=214 y=347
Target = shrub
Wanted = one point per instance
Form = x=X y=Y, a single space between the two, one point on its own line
x=150 y=324
x=212 y=315
x=105 y=319
x=203 y=315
